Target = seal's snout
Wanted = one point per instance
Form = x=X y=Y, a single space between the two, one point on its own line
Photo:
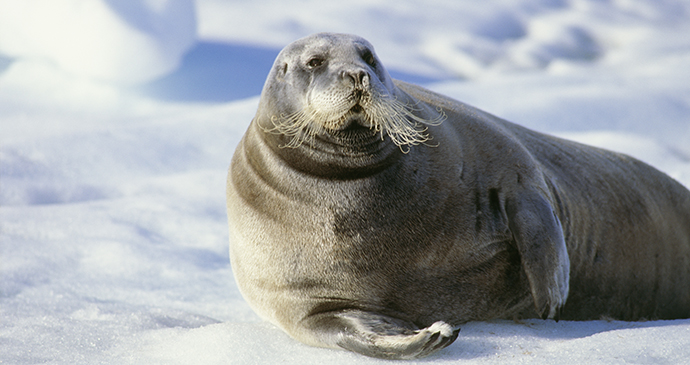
x=358 y=77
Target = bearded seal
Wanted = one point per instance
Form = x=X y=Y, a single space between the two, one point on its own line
x=377 y=216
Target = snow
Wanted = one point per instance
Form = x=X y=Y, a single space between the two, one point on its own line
x=116 y=40
x=118 y=120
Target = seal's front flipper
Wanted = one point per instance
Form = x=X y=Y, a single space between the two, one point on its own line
x=539 y=238
x=379 y=336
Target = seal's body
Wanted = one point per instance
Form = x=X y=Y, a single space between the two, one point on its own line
x=377 y=216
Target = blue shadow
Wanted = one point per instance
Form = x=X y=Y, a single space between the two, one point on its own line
x=221 y=72
x=215 y=72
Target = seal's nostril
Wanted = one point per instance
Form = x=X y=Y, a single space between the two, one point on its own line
x=358 y=77
x=363 y=76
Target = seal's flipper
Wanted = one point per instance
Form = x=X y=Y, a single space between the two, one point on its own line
x=539 y=238
x=380 y=336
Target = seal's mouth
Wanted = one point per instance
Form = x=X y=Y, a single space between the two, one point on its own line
x=354 y=119
x=357 y=109
x=356 y=116
x=362 y=112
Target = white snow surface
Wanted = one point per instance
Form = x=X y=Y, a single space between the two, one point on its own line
x=122 y=41
x=114 y=147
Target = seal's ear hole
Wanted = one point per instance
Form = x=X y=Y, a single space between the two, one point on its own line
x=285 y=68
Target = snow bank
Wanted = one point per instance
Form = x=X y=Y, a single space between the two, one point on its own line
x=121 y=41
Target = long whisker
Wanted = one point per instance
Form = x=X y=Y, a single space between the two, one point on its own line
x=385 y=114
x=397 y=119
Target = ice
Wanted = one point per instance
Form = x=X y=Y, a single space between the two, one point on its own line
x=118 y=120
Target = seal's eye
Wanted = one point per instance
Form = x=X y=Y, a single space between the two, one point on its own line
x=315 y=62
x=369 y=58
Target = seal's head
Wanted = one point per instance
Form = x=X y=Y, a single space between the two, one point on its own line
x=334 y=86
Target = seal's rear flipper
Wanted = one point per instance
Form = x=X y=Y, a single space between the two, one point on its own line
x=379 y=336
